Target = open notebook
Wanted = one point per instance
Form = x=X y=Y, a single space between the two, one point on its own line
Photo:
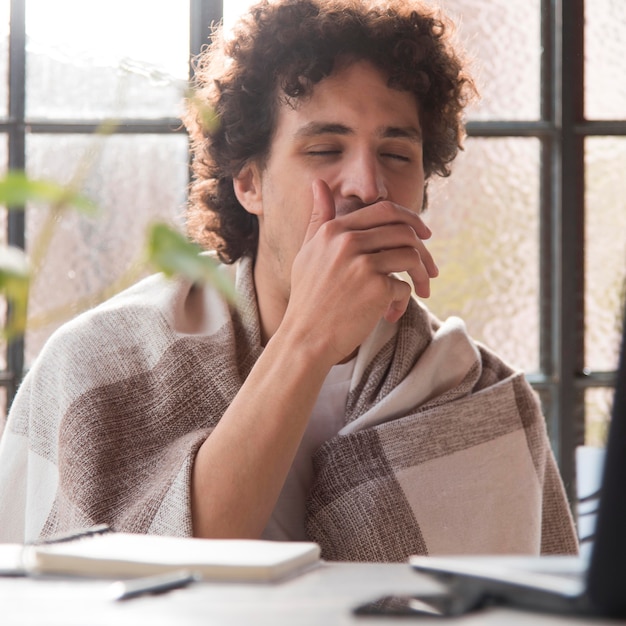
x=110 y=554
x=565 y=585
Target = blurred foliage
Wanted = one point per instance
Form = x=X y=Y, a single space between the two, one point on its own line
x=17 y=189
x=166 y=250
x=206 y=115
x=173 y=254
x=14 y=285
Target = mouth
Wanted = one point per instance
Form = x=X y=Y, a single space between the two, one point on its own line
x=347 y=207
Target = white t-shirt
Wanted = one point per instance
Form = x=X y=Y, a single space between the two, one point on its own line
x=327 y=419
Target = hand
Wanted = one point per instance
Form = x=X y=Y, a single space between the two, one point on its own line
x=342 y=282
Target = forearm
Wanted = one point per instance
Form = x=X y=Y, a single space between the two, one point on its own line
x=240 y=469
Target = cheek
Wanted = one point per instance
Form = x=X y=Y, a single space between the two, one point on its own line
x=295 y=227
x=409 y=193
x=285 y=223
x=418 y=191
x=287 y=207
x=297 y=204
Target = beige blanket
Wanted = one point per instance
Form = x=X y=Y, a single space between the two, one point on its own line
x=444 y=448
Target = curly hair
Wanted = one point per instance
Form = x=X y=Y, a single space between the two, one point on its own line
x=280 y=50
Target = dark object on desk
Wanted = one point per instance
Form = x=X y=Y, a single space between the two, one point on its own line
x=128 y=589
x=91 y=531
x=564 y=585
x=12 y=554
x=443 y=605
x=473 y=583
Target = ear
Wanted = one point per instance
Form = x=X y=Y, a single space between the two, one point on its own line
x=247 y=186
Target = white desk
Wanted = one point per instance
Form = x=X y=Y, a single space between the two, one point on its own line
x=321 y=597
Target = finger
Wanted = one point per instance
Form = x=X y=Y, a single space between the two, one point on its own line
x=406 y=260
x=400 y=301
x=422 y=287
x=396 y=236
x=427 y=260
x=382 y=213
x=323 y=208
x=422 y=273
x=391 y=236
x=420 y=227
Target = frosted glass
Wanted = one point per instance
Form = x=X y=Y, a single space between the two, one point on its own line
x=4 y=56
x=135 y=180
x=485 y=220
x=503 y=38
x=598 y=405
x=605 y=70
x=120 y=58
x=605 y=250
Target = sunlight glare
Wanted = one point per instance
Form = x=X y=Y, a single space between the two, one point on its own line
x=107 y=33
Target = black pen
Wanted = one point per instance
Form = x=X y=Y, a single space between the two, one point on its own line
x=126 y=589
x=99 y=529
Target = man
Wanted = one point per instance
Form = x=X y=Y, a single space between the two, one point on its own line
x=329 y=404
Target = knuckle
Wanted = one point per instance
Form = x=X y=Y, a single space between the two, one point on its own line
x=328 y=229
x=398 y=289
x=363 y=265
x=346 y=241
x=416 y=256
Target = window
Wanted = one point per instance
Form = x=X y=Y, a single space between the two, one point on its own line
x=67 y=67
x=530 y=230
x=531 y=227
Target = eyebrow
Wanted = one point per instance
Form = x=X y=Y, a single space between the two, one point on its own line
x=314 y=129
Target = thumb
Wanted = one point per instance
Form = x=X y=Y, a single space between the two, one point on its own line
x=323 y=208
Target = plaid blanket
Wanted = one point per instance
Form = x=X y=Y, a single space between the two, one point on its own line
x=444 y=448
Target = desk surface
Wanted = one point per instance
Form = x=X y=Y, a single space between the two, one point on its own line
x=323 y=596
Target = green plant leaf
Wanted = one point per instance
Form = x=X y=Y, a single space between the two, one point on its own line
x=207 y=116
x=172 y=253
x=16 y=189
x=14 y=285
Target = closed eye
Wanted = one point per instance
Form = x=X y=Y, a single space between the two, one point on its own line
x=397 y=157
x=332 y=153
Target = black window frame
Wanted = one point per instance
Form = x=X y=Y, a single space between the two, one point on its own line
x=203 y=13
x=561 y=131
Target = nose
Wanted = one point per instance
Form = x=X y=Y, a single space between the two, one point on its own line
x=363 y=179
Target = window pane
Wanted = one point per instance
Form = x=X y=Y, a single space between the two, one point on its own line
x=4 y=56
x=233 y=9
x=503 y=37
x=135 y=180
x=486 y=233
x=605 y=70
x=605 y=250
x=120 y=58
x=598 y=405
